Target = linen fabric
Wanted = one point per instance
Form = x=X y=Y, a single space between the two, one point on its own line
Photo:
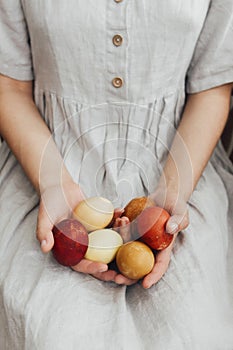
x=114 y=142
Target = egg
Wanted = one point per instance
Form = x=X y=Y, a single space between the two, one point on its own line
x=136 y=206
x=103 y=245
x=151 y=225
x=94 y=213
x=135 y=260
x=70 y=242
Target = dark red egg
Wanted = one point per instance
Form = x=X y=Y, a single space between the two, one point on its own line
x=70 y=242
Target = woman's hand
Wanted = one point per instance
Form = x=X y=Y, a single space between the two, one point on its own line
x=179 y=220
x=56 y=204
x=171 y=200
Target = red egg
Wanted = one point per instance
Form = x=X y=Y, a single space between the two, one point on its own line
x=151 y=225
x=70 y=242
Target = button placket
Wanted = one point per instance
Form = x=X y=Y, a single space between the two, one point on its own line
x=116 y=46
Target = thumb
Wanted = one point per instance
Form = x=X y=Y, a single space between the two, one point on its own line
x=47 y=242
x=176 y=223
x=44 y=231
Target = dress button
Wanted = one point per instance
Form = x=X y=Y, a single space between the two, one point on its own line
x=117 y=82
x=117 y=40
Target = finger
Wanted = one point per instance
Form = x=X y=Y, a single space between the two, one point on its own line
x=177 y=223
x=120 y=279
x=154 y=276
x=47 y=243
x=158 y=270
x=107 y=276
x=117 y=214
x=125 y=228
x=44 y=231
x=117 y=223
x=90 y=267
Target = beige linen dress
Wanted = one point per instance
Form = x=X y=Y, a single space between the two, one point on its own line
x=114 y=135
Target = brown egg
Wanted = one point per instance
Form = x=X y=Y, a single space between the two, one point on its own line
x=136 y=206
x=135 y=260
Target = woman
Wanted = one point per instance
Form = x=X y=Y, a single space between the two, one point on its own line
x=117 y=84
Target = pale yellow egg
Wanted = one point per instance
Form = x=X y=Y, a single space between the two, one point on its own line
x=103 y=245
x=94 y=213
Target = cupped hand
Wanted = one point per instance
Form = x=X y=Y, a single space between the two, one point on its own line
x=56 y=204
x=179 y=220
x=176 y=206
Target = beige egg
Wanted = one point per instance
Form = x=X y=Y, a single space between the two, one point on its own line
x=103 y=245
x=94 y=213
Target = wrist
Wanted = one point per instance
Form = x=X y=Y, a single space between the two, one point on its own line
x=178 y=186
x=168 y=193
x=62 y=183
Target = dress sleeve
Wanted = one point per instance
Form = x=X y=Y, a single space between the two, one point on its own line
x=15 y=52
x=212 y=62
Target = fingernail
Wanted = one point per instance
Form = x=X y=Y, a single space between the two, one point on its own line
x=147 y=286
x=43 y=243
x=173 y=227
x=103 y=269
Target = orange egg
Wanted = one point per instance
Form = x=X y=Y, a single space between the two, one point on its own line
x=135 y=260
x=151 y=226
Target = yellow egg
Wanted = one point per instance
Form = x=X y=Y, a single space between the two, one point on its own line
x=135 y=260
x=103 y=245
x=94 y=213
